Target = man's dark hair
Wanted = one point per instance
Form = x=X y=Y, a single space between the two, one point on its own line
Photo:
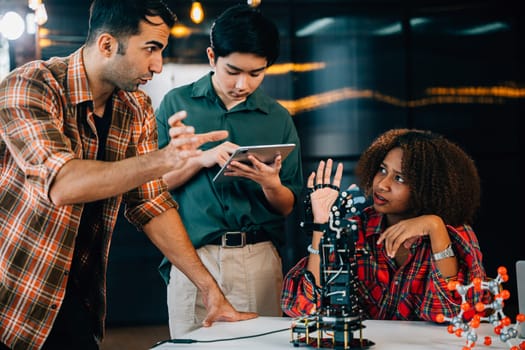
x=244 y=29
x=121 y=18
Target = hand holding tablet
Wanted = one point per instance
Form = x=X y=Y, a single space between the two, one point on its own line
x=264 y=153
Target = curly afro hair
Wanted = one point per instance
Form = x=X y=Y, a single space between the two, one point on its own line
x=443 y=179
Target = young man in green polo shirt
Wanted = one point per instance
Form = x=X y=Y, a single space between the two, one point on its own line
x=235 y=225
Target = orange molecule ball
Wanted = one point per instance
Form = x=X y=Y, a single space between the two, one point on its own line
x=505 y=294
x=465 y=306
x=477 y=283
x=452 y=285
x=480 y=307
x=502 y=270
x=506 y=321
x=440 y=318
x=520 y=318
x=487 y=341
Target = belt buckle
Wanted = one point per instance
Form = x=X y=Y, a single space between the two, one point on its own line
x=224 y=239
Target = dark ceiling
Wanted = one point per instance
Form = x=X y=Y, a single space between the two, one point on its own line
x=68 y=19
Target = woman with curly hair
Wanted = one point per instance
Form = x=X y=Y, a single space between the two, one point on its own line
x=417 y=234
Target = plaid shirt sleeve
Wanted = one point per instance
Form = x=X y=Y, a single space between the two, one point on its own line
x=31 y=123
x=298 y=297
x=152 y=198
x=418 y=291
x=437 y=298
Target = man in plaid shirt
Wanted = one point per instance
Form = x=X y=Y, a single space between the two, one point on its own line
x=77 y=137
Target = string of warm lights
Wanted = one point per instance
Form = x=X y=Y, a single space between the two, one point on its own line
x=436 y=95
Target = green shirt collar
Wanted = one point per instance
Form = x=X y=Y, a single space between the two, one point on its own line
x=204 y=88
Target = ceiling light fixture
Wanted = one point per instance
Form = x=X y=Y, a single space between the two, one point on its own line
x=40 y=15
x=31 y=23
x=196 y=12
x=33 y=4
x=316 y=26
x=180 y=31
x=12 y=25
x=254 y=3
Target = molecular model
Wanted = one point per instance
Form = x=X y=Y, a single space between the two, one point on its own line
x=503 y=328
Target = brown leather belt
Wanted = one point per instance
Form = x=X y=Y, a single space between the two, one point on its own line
x=239 y=239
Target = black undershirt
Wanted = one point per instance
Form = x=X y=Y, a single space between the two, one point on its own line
x=87 y=259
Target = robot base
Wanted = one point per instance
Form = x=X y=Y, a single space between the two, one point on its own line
x=329 y=333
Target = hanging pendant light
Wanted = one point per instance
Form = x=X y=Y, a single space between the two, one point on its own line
x=254 y=3
x=33 y=4
x=196 y=12
x=41 y=14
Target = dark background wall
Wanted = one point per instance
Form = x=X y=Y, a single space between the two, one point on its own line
x=454 y=67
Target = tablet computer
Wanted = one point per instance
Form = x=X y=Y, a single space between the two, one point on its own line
x=265 y=153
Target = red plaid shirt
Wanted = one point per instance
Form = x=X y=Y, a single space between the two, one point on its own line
x=46 y=120
x=415 y=291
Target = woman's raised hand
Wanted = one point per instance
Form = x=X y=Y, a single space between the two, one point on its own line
x=324 y=190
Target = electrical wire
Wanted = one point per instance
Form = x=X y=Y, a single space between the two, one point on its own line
x=190 y=341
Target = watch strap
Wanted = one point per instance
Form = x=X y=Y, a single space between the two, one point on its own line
x=448 y=252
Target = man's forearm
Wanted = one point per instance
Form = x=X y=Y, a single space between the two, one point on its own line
x=281 y=199
x=81 y=181
x=167 y=232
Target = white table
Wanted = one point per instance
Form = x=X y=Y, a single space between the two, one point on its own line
x=392 y=335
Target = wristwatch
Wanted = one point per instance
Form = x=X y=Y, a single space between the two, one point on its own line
x=446 y=253
x=312 y=250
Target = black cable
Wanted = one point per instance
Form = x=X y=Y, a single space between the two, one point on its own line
x=189 y=341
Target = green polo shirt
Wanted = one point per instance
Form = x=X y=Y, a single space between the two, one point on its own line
x=208 y=209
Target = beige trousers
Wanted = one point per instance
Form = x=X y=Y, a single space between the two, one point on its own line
x=250 y=278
